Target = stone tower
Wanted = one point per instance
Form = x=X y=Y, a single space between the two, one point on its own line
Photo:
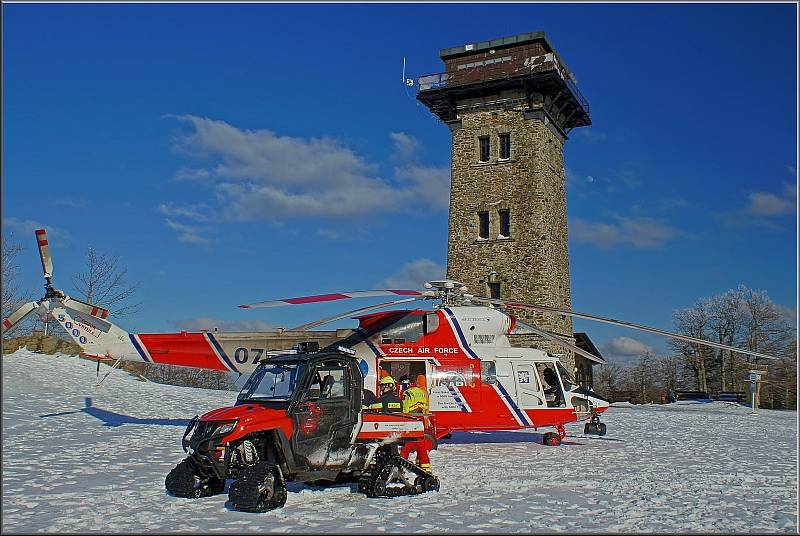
x=510 y=104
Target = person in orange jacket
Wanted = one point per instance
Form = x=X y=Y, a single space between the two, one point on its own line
x=415 y=400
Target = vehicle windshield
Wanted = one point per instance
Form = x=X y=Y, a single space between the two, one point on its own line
x=566 y=377
x=271 y=382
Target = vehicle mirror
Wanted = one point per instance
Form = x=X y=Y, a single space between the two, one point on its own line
x=313 y=393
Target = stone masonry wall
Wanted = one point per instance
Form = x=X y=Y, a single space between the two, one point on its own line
x=532 y=264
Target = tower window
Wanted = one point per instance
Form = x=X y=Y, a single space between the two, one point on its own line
x=484 y=148
x=505 y=222
x=494 y=290
x=505 y=146
x=483 y=221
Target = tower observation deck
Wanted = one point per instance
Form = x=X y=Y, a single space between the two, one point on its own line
x=522 y=70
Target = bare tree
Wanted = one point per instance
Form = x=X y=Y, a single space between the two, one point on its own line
x=608 y=379
x=726 y=318
x=694 y=322
x=641 y=378
x=12 y=295
x=743 y=318
x=103 y=283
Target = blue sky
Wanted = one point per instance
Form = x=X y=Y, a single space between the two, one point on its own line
x=234 y=153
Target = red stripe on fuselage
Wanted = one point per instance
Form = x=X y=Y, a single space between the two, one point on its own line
x=183 y=349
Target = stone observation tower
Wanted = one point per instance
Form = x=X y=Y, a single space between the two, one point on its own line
x=510 y=104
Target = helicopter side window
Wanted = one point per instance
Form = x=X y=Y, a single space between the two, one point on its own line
x=488 y=372
x=431 y=322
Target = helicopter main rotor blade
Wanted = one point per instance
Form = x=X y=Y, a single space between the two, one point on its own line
x=332 y=297
x=558 y=340
x=311 y=325
x=632 y=325
x=19 y=315
x=44 y=252
x=85 y=307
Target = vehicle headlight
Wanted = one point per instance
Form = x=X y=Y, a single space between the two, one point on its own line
x=226 y=428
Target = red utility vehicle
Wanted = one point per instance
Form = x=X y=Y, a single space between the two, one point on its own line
x=299 y=418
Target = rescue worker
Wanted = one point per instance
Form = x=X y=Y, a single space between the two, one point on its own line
x=388 y=402
x=367 y=398
x=415 y=400
x=552 y=380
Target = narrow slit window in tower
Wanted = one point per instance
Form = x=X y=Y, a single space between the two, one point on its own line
x=505 y=146
x=483 y=220
x=494 y=290
x=484 y=147
x=505 y=223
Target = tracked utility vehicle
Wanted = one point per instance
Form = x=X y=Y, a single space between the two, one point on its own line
x=299 y=418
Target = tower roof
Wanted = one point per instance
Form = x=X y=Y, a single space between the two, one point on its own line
x=500 y=43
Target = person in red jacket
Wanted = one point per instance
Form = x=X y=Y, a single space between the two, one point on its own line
x=415 y=400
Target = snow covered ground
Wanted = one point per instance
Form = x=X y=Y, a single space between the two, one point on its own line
x=81 y=459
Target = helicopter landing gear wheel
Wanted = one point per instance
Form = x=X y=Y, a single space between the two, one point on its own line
x=594 y=426
x=258 y=489
x=551 y=439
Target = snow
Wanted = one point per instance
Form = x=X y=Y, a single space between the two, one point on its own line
x=82 y=459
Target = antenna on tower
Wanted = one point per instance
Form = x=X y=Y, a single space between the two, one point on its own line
x=406 y=81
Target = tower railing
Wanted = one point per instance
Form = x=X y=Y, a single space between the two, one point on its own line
x=502 y=71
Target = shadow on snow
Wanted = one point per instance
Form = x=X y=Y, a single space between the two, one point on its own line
x=111 y=418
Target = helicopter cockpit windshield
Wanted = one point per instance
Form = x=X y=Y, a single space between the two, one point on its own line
x=274 y=382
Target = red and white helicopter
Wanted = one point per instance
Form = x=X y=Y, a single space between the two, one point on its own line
x=476 y=380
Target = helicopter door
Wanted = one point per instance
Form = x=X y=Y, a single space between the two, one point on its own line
x=529 y=390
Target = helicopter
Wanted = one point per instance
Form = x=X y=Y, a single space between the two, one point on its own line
x=476 y=380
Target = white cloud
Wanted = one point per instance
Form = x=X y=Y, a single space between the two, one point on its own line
x=258 y=174
x=198 y=212
x=639 y=232
x=625 y=350
x=70 y=202
x=190 y=234
x=414 y=274
x=592 y=135
x=209 y=323
x=25 y=229
x=328 y=233
x=405 y=145
x=767 y=204
x=627 y=346
x=431 y=185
